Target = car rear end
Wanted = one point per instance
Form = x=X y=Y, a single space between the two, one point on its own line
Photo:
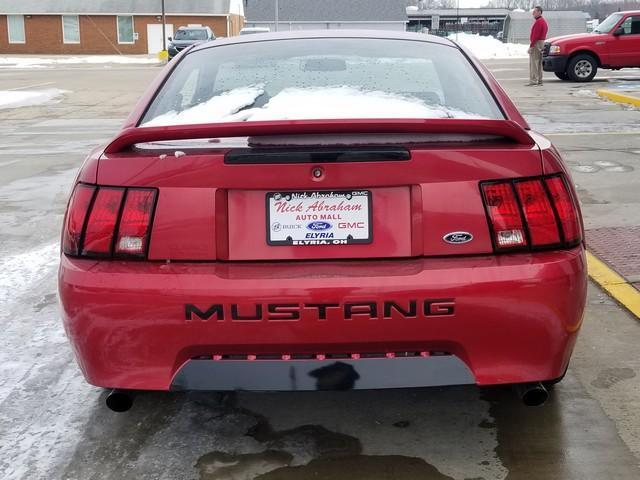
x=373 y=219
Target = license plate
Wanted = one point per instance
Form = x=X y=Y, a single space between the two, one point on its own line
x=319 y=217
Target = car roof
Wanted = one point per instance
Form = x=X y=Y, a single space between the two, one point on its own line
x=304 y=34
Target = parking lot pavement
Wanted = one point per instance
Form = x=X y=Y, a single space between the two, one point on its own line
x=54 y=425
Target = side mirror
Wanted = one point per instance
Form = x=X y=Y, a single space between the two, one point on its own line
x=170 y=39
x=618 y=31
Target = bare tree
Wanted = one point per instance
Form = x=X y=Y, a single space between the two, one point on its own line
x=596 y=8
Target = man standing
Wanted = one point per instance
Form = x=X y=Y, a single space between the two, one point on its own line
x=538 y=35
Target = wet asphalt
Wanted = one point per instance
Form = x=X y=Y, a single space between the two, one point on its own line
x=54 y=425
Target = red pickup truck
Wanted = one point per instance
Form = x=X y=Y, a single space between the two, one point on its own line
x=614 y=44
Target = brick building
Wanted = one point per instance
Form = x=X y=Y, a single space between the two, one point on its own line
x=107 y=26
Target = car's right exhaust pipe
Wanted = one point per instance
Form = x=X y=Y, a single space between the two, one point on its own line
x=119 y=400
x=531 y=394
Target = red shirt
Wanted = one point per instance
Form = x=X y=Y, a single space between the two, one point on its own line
x=539 y=30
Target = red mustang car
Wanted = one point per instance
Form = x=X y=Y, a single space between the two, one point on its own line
x=328 y=210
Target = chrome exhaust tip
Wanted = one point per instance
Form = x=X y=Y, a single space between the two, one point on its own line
x=531 y=394
x=119 y=400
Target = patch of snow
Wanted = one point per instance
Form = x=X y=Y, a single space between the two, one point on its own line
x=585 y=168
x=216 y=109
x=28 y=98
x=43 y=62
x=307 y=103
x=583 y=92
x=485 y=47
x=18 y=272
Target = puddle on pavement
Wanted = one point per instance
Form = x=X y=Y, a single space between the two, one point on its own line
x=218 y=465
x=587 y=198
x=360 y=467
x=332 y=455
x=608 y=377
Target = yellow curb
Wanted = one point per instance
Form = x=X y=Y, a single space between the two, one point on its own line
x=614 y=284
x=619 y=97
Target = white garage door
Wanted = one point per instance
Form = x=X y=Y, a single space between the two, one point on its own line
x=154 y=36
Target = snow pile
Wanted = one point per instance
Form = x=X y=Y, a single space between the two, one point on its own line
x=488 y=47
x=306 y=103
x=28 y=98
x=43 y=62
x=216 y=109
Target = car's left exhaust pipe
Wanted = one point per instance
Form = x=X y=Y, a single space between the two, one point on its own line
x=119 y=400
x=531 y=394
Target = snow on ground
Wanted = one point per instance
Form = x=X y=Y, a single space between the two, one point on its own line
x=27 y=98
x=583 y=92
x=44 y=62
x=485 y=47
x=306 y=103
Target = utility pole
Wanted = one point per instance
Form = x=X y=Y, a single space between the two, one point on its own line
x=164 y=29
x=457 y=17
x=276 y=15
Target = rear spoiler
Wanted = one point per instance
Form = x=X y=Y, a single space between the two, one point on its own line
x=501 y=128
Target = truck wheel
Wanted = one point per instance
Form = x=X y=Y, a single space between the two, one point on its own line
x=562 y=75
x=582 y=68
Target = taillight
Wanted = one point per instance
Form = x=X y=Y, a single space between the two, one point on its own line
x=505 y=216
x=538 y=213
x=76 y=215
x=531 y=213
x=133 y=232
x=98 y=237
x=108 y=222
x=566 y=208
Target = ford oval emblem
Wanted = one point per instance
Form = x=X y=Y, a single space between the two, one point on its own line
x=458 y=237
x=319 y=226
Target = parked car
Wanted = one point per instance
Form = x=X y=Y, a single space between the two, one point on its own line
x=613 y=44
x=187 y=36
x=251 y=30
x=323 y=210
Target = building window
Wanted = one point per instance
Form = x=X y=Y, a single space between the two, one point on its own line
x=15 y=24
x=125 y=29
x=70 y=29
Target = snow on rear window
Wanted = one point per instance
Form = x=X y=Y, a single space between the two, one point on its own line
x=321 y=79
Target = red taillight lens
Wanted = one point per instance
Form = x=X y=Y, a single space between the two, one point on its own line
x=108 y=221
x=566 y=208
x=133 y=232
x=542 y=211
x=506 y=220
x=76 y=214
x=101 y=225
x=538 y=213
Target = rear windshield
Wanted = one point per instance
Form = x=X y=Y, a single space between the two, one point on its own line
x=191 y=35
x=322 y=78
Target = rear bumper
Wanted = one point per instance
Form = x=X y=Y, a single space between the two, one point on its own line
x=154 y=326
x=555 y=63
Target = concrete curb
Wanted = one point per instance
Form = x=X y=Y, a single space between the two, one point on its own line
x=614 y=284
x=619 y=97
